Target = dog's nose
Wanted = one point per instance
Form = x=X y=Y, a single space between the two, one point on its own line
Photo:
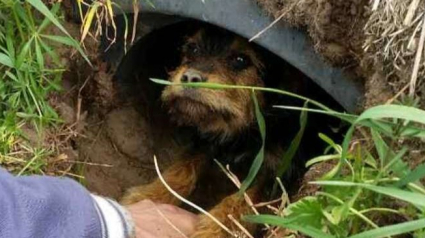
x=192 y=76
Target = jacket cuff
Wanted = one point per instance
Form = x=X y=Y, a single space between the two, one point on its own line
x=115 y=220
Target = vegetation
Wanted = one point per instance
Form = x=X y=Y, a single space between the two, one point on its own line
x=371 y=185
x=30 y=70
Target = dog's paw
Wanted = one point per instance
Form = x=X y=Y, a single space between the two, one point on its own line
x=207 y=228
x=136 y=194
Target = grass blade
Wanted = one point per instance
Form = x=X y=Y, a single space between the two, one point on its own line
x=293 y=148
x=321 y=159
x=89 y=20
x=258 y=161
x=295 y=143
x=287 y=223
x=410 y=197
x=394 y=111
x=392 y=230
x=228 y=86
x=413 y=176
x=5 y=60
x=39 y=5
x=69 y=42
x=39 y=55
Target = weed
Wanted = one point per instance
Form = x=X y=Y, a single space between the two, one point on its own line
x=368 y=183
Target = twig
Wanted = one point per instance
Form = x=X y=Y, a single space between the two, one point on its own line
x=178 y=196
x=239 y=225
x=285 y=196
x=391 y=100
x=135 y=17
x=237 y=183
x=71 y=174
x=417 y=60
x=90 y=163
x=80 y=100
x=263 y=204
x=375 y=5
x=411 y=12
x=273 y=23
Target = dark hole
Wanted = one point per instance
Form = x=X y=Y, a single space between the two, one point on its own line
x=156 y=54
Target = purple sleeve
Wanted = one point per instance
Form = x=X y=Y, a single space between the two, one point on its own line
x=41 y=206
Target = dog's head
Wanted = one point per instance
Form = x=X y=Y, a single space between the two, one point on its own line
x=215 y=56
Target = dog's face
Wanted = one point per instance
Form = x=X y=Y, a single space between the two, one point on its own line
x=215 y=56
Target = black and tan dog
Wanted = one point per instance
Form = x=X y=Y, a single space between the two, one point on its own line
x=225 y=127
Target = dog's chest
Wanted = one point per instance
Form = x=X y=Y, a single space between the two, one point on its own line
x=238 y=152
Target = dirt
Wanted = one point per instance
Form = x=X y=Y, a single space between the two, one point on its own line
x=332 y=24
x=113 y=142
x=314 y=173
x=118 y=153
x=108 y=142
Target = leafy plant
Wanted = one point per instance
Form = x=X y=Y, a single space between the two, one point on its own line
x=366 y=182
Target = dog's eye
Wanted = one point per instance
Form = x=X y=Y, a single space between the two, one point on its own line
x=191 y=49
x=240 y=61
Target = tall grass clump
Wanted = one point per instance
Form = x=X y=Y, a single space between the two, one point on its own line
x=370 y=191
x=30 y=70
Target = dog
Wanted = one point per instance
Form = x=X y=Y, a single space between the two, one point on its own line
x=222 y=126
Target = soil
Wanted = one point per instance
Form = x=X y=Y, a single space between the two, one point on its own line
x=114 y=142
x=111 y=141
x=332 y=24
x=120 y=151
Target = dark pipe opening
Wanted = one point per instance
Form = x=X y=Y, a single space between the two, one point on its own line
x=157 y=53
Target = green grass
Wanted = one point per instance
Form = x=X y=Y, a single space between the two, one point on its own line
x=30 y=70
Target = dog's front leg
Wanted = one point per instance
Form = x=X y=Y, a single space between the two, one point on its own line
x=181 y=176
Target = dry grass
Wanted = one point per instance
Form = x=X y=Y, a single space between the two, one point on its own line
x=101 y=13
x=395 y=34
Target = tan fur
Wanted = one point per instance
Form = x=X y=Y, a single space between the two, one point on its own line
x=237 y=103
x=234 y=205
x=181 y=177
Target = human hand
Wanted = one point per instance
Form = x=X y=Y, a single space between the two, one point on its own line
x=161 y=220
